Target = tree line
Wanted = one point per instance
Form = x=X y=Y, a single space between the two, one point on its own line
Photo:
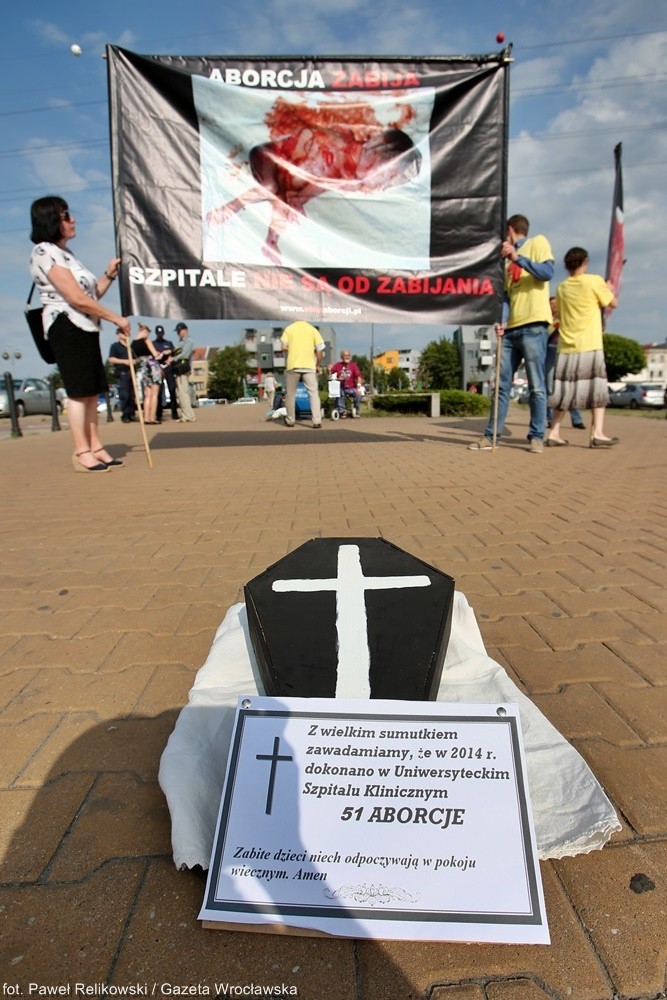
x=439 y=368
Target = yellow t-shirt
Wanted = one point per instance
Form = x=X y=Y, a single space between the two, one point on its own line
x=301 y=340
x=580 y=299
x=529 y=297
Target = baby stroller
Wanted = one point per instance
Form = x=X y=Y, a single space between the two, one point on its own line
x=336 y=390
x=334 y=395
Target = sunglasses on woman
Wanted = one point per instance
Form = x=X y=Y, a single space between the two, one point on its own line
x=65 y=216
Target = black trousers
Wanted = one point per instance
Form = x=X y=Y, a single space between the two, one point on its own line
x=126 y=393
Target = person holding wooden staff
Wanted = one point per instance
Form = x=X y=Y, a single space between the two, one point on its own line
x=70 y=296
x=529 y=265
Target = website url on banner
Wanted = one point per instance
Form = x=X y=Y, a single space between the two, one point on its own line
x=343 y=310
x=327 y=310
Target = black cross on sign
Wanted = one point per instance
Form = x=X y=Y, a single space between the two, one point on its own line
x=274 y=758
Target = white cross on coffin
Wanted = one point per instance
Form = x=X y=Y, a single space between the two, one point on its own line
x=350 y=586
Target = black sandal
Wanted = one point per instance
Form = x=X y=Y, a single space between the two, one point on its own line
x=113 y=463
x=79 y=467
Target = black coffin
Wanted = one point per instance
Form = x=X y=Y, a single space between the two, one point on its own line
x=350 y=617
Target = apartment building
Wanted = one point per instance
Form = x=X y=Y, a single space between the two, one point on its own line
x=405 y=358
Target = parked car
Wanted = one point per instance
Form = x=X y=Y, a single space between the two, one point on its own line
x=245 y=399
x=31 y=395
x=113 y=399
x=638 y=394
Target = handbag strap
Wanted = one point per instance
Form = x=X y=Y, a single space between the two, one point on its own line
x=32 y=289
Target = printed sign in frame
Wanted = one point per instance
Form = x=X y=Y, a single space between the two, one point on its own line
x=377 y=820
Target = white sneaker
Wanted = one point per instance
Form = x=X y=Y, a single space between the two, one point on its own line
x=482 y=445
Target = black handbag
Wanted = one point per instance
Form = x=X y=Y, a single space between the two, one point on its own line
x=35 y=322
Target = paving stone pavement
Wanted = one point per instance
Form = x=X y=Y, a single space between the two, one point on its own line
x=113 y=585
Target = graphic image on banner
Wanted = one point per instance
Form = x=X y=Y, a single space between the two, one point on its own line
x=380 y=823
x=310 y=178
x=319 y=189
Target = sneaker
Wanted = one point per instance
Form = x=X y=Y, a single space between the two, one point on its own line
x=355 y=415
x=536 y=446
x=288 y=422
x=317 y=427
x=484 y=444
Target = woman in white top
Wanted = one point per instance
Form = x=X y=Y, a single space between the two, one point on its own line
x=70 y=296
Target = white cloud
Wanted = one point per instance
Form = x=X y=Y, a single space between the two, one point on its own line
x=533 y=74
x=127 y=38
x=52 y=167
x=91 y=42
x=51 y=32
x=95 y=42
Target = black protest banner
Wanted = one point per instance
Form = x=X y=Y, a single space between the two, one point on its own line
x=349 y=189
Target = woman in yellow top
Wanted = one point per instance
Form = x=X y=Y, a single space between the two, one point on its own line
x=581 y=376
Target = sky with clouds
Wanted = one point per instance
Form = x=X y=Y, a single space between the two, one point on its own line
x=584 y=78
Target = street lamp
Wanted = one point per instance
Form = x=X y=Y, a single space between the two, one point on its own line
x=372 y=354
x=11 y=356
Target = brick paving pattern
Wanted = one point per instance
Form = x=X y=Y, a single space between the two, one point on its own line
x=112 y=587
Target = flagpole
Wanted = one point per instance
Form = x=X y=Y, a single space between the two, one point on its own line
x=496 y=389
x=372 y=353
x=507 y=58
x=616 y=248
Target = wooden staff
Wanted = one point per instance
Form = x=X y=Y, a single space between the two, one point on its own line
x=496 y=387
x=140 y=411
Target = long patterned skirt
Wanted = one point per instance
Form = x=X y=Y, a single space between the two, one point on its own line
x=580 y=382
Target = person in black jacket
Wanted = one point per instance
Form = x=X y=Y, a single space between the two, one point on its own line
x=119 y=359
x=166 y=348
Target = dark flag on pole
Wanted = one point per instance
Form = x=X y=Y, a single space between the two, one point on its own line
x=615 y=253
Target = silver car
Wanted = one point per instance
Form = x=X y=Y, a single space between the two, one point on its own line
x=32 y=395
x=638 y=394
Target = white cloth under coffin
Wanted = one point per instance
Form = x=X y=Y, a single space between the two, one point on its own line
x=571 y=812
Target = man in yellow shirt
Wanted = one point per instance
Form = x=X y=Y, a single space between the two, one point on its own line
x=305 y=347
x=529 y=266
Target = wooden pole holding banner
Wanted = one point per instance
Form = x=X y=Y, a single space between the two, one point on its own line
x=496 y=387
x=140 y=411
x=507 y=58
